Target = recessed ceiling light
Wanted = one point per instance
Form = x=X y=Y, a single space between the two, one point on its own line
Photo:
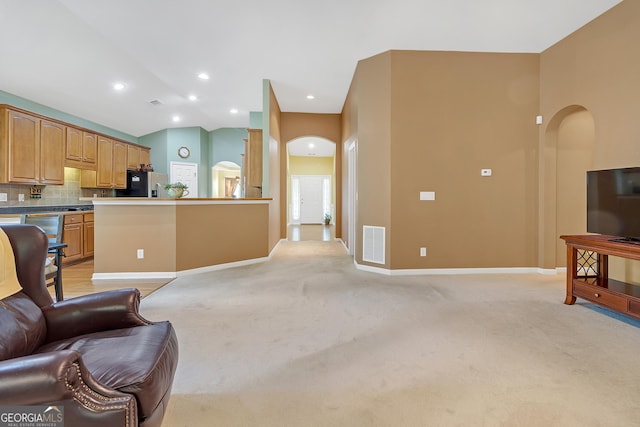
x=312 y=145
x=311 y=96
x=176 y=118
x=203 y=76
x=118 y=86
x=234 y=111
x=193 y=98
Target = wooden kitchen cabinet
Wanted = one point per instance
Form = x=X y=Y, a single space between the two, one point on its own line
x=87 y=236
x=52 y=139
x=33 y=147
x=137 y=156
x=80 y=149
x=119 y=164
x=78 y=232
x=145 y=156
x=72 y=236
x=133 y=157
x=111 y=171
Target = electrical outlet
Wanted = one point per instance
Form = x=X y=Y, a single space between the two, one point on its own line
x=486 y=172
x=423 y=251
x=21 y=197
x=140 y=253
x=3 y=197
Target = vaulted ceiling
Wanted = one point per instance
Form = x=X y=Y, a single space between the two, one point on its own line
x=68 y=54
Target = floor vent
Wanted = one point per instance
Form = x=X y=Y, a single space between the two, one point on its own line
x=373 y=244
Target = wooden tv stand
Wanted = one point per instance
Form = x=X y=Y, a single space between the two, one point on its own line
x=588 y=273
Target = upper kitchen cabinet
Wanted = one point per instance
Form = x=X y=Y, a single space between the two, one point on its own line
x=52 y=138
x=81 y=149
x=32 y=149
x=112 y=163
x=137 y=156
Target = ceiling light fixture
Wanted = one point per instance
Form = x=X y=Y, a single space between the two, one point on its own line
x=118 y=86
x=203 y=76
x=312 y=145
x=193 y=98
x=311 y=96
x=233 y=111
x=176 y=118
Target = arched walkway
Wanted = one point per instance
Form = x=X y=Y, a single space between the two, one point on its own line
x=310 y=188
x=568 y=153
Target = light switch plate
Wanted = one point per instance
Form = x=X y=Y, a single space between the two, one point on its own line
x=427 y=195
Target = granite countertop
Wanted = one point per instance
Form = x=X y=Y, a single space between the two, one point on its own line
x=17 y=210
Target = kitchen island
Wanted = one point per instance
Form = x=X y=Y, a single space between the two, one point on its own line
x=139 y=238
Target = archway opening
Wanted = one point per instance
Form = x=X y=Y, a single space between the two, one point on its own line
x=311 y=188
x=568 y=153
x=225 y=180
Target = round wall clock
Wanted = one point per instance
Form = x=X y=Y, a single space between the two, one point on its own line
x=183 y=152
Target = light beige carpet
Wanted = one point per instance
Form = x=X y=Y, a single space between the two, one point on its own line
x=305 y=339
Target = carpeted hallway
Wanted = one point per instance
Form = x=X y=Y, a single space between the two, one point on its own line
x=305 y=339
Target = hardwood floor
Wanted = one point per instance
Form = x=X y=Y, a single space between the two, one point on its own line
x=76 y=280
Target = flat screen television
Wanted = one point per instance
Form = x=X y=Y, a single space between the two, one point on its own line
x=613 y=203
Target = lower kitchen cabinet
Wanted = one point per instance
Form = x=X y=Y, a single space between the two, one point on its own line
x=78 y=235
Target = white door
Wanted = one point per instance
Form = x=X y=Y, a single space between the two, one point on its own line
x=310 y=198
x=186 y=173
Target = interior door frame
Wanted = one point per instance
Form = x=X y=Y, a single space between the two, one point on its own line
x=322 y=196
x=193 y=192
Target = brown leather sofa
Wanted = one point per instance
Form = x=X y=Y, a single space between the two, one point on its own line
x=93 y=355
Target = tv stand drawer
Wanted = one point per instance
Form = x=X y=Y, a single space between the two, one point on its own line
x=600 y=295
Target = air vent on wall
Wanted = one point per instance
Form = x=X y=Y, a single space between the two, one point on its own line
x=155 y=102
x=373 y=244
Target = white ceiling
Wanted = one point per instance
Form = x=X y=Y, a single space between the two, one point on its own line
x=66 y=54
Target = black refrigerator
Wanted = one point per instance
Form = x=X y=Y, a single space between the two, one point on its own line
x=144 y=184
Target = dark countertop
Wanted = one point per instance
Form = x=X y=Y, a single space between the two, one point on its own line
x=17 y=210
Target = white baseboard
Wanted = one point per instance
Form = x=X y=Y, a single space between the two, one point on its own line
x=172 y=275
x=453 y=271
x=134 y=275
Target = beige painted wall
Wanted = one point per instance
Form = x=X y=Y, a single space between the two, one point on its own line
x=454 y=114
x=275 y=154
x=370 y=112
x=430 y=121
x=178 y=238
x=597 y=69
x=121 y=230
x=348 y=138
x=220 y=234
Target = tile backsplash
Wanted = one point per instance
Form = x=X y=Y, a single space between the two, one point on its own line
x=52 y=195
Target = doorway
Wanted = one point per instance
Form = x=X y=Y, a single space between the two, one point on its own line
x=310 y=198
x=186 y=173
x=225 y=180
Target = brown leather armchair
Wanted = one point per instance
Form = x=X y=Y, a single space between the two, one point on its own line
x=93 y=355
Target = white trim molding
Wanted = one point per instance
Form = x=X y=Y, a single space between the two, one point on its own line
x=454 y=271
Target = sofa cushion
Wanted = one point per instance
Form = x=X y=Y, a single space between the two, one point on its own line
x=9 y=284
x=22 y=326
x=139 y=360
